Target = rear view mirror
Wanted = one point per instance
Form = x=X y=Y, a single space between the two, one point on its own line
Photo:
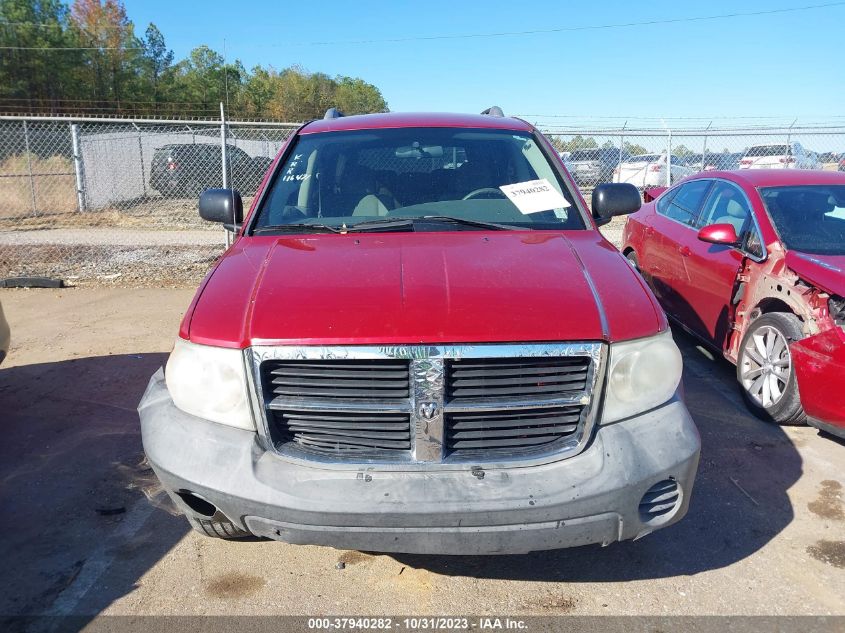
x=417 y=151
x=723 y=234
x=612 y=199
x=222 y=205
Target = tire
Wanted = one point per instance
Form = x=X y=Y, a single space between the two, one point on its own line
x=764 y=369
x=631 y=256
x=217 y=528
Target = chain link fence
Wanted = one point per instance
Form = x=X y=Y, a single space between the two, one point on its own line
x=659 y=158
x=115 y=201
x=104 y=200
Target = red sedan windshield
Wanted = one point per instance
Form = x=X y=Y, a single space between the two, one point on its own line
x=809 y=218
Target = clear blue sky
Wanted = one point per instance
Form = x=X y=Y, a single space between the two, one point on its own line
x=784 y=65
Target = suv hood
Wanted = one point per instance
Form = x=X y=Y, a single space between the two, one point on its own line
x=413 y=288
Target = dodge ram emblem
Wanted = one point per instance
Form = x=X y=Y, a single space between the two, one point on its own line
x=428 y=410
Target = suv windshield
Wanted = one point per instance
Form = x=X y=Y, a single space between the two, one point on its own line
x=809 y=218
x=343 y=179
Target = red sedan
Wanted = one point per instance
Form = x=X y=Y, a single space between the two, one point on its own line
x=753 y=263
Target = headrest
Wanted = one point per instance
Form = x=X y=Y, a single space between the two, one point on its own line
x=735 y=209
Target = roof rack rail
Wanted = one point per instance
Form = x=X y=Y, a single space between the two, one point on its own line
x=493 y=111
x=333 y=113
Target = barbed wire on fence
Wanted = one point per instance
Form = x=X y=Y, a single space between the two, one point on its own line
x=100 y=197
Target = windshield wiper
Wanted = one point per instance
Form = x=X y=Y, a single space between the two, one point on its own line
x=466 y=222
x=384 y=223
x=317 y=228
x=404 y=222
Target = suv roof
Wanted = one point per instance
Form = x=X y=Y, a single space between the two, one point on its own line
x=415 y=119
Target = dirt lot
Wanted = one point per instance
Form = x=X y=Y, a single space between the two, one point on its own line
x=87 y=531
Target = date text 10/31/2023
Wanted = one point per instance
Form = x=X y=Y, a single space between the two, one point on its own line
x=418 y=623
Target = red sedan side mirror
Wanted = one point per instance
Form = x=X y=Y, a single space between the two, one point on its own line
x=724 y=234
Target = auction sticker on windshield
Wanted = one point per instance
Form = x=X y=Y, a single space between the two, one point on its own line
x=534 y=196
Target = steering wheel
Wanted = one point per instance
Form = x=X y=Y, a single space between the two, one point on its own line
x=484 y=190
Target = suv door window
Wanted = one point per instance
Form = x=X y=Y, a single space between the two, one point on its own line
x=684 y=205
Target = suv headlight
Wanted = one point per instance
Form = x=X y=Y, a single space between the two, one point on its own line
x=641 y=375
x=209 y=382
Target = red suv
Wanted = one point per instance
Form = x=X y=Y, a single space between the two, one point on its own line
x=420 y=342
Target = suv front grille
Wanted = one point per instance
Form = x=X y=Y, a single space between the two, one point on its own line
x=514 y=378
x=340 y=379
x=428 y=405
x=347 y=432
x=508 y=430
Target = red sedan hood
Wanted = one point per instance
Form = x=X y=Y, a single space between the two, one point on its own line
x=825 y=271
x=445 y=287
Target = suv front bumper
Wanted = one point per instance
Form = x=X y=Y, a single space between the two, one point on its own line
x=593 y=497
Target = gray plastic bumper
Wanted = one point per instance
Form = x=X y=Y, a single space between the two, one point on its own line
x=593 y=497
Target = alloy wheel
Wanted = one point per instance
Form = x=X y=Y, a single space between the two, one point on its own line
x=766 y=365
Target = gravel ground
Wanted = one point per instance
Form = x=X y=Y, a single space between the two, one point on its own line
x=87 y=531
x=112 y=237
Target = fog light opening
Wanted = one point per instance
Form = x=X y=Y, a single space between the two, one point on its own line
x=197 y=503
x=661 y=502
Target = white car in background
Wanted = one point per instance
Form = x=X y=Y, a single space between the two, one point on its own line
x=4 y=335
x=649 y=170
x=779 y=156
x=565 y=157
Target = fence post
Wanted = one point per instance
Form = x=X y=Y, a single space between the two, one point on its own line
x=29 y=169
x=621 y=147
x=77 y=167
x=669 y=159
x=704 y=148
x=224 y=158
x=789 y=143
x=141 y=152
x=225 y=164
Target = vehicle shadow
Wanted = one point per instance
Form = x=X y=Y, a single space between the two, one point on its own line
x=739 y=502
x=79 y=524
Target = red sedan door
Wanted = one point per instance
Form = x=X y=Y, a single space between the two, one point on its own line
x=707 y=285
x=673 y=226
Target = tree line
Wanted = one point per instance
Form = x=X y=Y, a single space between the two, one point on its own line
x=85 y=58
x=588 y=142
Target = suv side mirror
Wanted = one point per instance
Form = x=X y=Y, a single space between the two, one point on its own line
x=723 y=234
x=612 y=199
x=222 y=205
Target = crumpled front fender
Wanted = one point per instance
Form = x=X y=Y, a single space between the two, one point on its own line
x=819 y=363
